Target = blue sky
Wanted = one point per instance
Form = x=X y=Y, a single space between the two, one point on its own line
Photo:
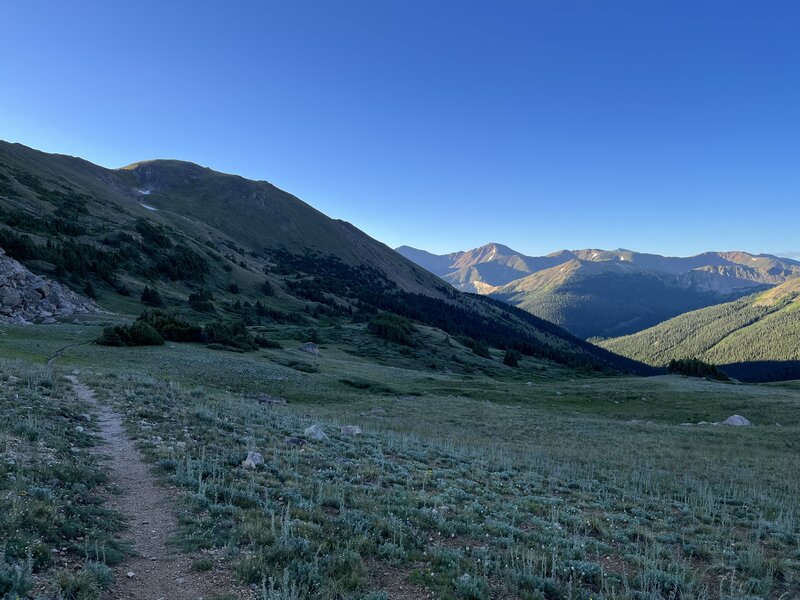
x=666 y=126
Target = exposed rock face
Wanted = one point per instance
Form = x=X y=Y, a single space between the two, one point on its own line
x=27 y=298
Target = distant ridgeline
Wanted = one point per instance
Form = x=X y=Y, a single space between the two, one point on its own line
x=217 y=248
x=600 y=293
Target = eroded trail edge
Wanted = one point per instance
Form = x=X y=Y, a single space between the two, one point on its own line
x=157 y=570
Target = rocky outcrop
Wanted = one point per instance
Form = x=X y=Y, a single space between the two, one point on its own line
x=28 y=298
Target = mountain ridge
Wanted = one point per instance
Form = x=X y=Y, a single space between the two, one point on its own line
x=595 y=292
x=191 y=232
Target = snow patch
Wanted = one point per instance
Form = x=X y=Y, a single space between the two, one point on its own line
x=147 y=206
x=143 y=192
x=595 y=255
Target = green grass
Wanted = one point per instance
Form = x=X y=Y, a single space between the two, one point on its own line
x=467 y=480
x=52 y=515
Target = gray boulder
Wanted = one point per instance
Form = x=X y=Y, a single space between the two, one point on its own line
x=736 y=421
x=315 y=432
x=351 y=430
x=310 y=347
x=253 y=460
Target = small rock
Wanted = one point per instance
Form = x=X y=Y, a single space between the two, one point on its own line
x=294 y=441
x=253 y=460
x=351 y=430
x=736 y=421
x=310 y=347
x=79 y=429
x=315 y=433
x=130 y=574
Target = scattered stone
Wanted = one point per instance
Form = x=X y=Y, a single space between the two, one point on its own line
x=253 y=460
x=315 y=433
x=736 y=421
x=310 y=347
x=350 y=430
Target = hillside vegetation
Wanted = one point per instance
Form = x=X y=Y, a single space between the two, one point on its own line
x=754 y=338
x=465 y=485
x=212 y=246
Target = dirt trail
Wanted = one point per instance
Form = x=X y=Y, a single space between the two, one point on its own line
x=60 y=351
x=160 y=571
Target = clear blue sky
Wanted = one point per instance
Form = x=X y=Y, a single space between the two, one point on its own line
x=668 y=126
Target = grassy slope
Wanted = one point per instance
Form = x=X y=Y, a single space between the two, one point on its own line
x=760 y=328
x=239 y=228
x=476 y=472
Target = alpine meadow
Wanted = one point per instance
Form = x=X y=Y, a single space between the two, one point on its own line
x=214 y=389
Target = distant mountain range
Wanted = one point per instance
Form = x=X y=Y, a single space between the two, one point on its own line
x=211 y=243
x=756 y=338
x=601 y=293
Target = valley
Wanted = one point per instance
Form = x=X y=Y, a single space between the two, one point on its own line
x=475 y=484
x=309 y=414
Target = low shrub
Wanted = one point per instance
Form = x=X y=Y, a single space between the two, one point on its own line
x=393 y=328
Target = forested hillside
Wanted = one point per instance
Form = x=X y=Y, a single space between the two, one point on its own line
x=754 y=338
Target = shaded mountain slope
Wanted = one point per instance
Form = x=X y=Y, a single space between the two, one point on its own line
x=212 y=243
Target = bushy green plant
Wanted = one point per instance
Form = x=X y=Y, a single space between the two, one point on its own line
x=393 y=328
x=171 y=326
x=151 y=297
x=694 y=367
x=139 y=333
x=511 y=358
x=15 y=578
x=232 y=333
x=200 y=301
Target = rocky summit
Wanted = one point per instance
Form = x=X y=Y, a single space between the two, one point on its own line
x=28 y=298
